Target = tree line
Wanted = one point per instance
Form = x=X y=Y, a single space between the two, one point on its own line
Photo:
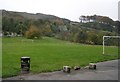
x=90 y=32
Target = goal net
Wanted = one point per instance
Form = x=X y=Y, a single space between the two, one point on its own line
x=110 y=45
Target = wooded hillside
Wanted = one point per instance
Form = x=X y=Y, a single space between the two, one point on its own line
x=89 y=30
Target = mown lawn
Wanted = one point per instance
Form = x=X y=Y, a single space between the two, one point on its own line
x=49 y=54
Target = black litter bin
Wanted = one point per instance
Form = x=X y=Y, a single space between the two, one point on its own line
x=25 y=64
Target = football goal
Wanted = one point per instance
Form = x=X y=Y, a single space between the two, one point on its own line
x=107 y=38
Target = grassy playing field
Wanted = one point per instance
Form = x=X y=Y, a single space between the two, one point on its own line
x=49 y=54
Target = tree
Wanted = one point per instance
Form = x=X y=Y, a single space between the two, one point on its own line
x=80 y=37
x=33 y=32
x=82 y=18
x=47 y=30
x=21 y=28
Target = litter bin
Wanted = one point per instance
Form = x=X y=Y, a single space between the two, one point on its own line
x=25 y=64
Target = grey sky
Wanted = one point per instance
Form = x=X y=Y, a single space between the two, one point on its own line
x=70 y=9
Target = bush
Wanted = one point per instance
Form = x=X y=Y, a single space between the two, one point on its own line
x=33 y=32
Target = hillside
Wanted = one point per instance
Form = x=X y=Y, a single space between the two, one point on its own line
x=90 y=30
x=103 y=23
x=29 y=15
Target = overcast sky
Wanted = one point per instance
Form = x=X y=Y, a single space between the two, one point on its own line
x=70 y=9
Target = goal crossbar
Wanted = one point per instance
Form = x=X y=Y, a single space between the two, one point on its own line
x=104 y=41
x=111 y=36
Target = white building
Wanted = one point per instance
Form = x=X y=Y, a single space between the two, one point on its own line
x=1 y=34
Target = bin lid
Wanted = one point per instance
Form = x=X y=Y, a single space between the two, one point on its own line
x=25 y=57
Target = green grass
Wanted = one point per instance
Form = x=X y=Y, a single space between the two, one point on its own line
x=49 y=54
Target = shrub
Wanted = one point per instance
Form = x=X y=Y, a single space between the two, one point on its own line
x=33 y=32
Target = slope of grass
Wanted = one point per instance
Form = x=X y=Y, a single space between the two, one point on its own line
x=49 y=54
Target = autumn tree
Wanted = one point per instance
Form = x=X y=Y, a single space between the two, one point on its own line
x=33 y=32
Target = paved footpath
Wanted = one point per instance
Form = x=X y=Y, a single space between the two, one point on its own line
x=105 y=71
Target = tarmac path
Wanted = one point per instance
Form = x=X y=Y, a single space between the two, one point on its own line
x=105 y=71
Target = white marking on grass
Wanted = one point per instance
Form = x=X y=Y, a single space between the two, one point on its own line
x=27 y=40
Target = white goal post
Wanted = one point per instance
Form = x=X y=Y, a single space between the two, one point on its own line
x=104 y=41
